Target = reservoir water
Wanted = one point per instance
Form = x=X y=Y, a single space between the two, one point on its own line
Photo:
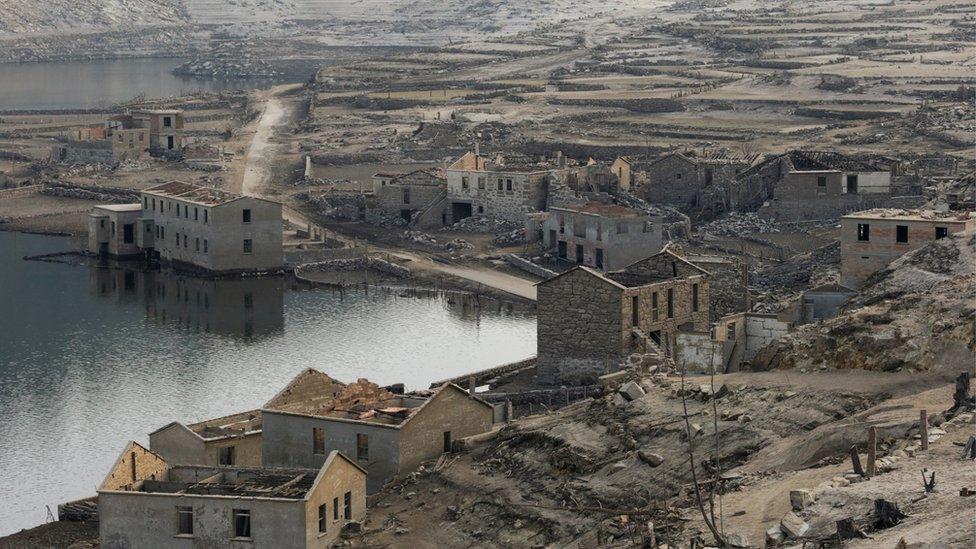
x=92 y=357
x=101 y=83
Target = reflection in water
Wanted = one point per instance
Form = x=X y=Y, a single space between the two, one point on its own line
x=230 y=307
x=92 y=357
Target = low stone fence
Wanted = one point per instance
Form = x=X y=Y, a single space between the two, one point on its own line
x=104 y=195
x=528 y=266
x=354 y=264
x=20 y=192
x=484 y=376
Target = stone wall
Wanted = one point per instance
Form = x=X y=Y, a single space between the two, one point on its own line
x=579 y=327
x=699 y=353
x=761 y=330
x=528 y=266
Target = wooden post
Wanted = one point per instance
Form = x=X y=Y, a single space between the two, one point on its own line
x=923 y=428
x=872 y=450
x=471 y=385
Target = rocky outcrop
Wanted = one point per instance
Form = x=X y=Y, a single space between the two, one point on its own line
x=915 y=314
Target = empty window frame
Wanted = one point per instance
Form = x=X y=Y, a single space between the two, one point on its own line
x=852 y=184
x=242 y=523
x=335 y=509
x=501 y=184
x=821 y=184
x=347 y=505
x=622 y=228
x=464 y=182
x=323 y=518
x=901 y=234
x=184 y=520
x=694 y=298
x=670 y=302
x=508 y=185
x=654 y=306
x=206 y=246
x=318 y=440
x=362 y=447
x=447 y=441
x=406 y=195
x=634 y=310
x=206 y=216
x=248 y=246
x=481 y=183
x=246 y=215
x=941 y=232
x=227 y=455
x=863 y=232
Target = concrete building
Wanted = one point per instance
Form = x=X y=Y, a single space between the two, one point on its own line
x=419 y=197
x=165 y=128
x=822 y=302
x=504 y=189
x=112 y=230
x=731 y=343
x=145 y=501
x=235 y=440
x=588 y=321
x=388 y=435
x=810 y=185
x=210 y=229
x=603 y=236
x=872 y=239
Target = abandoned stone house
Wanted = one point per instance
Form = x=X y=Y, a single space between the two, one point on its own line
x=208 y=229
x=732 y=342
x=388 y=435
x=603 y=236
x=811 y=185
x=684 y=179
x=506 y=189
x=622 y=168
x=145 y=501
x=109 y=143
x=595 y=177
x=419 y=197
x=165 y=127
x=872 y=239
x=235 y=440
x=588 y=321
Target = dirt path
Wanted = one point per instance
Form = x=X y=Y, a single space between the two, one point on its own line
x=488 y=277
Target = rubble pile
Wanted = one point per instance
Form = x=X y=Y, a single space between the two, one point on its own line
x=227 y=60
x=484 y=224
x=738 y=224
x=335 y=205
x=916 y=313
x=799 y=272
x=513 y=238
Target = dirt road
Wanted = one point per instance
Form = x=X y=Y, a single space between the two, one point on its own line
x=278 y=113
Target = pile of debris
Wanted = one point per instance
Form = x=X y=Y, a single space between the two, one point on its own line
x=513 y=238
x=228 y=60
x=335 y=205
x=484 y=224
x=738 y=224
x=917 y=308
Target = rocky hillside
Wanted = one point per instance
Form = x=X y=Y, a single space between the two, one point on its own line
x=917 y=313
x=33 y=17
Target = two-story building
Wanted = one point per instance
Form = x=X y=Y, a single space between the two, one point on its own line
x=388 y=435
x=210 y=229
x=112 y=230
x=588 y=321
x=165 y=128
x=508 y=190
x=109 y=143
x=418 y=197
x=604 y=236
x=872 y=239
x=683 y=179
x=145 y=501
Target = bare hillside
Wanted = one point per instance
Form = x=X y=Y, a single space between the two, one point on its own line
x=34 y=17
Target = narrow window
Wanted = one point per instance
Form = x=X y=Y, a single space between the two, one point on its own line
x=196 y=213
x=113 y=228
x=242 y=523
x=318 y=440
x=167 y=122
x=247 y=245
x=247 y=215
x=362 y=447
x=197 y=243
x=323 y=516
x=145 y=203
x=205 y=216
x=634 y=311
x=101 y=223
x=347 y=505
x=406 y=195
x=508 y=184
x=184 y=520
x=670 y=302
x=185 y=242
x=481 y=183
x=901 y=234
x=941 y=232
x=154 y=204
x=335 y=509
x=852 y=184
x=248 y=301
x=186 y=212
x=177 y=210
x=447 y=441
x=654 y=306
x=227 y=455
x=128 y=233
x=205 y=246
x=730 y=332
x=863 y=232
x=464 y=182
x=694 y=298
x=501 y=184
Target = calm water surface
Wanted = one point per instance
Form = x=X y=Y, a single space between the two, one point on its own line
x=101 y=83
x=93 y=357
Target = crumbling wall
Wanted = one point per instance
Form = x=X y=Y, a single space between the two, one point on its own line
x=699 y=353
x=761 y=330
